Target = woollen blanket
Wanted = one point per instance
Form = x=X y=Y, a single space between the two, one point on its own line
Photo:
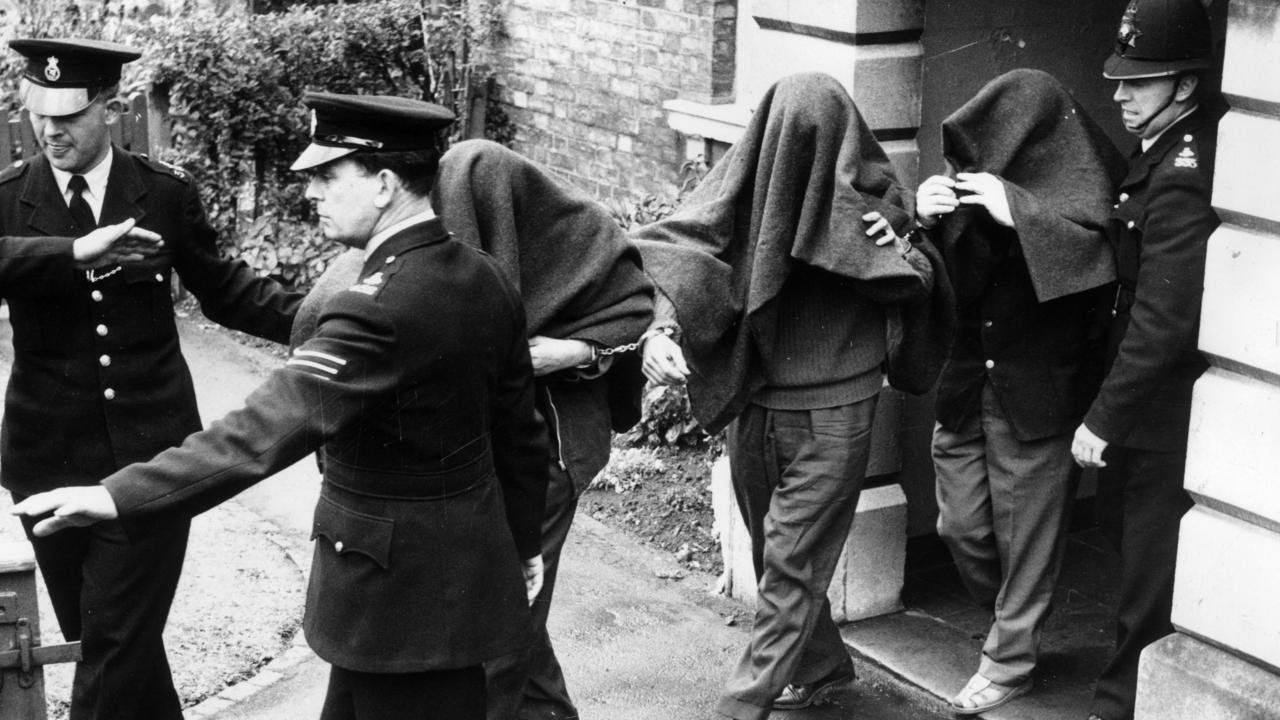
x=792 y=190
x=1059 y=172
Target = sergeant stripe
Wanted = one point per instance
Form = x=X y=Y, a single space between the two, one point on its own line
x=322 y=356
x=307 y=363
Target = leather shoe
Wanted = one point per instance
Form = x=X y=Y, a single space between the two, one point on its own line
x=802 y=695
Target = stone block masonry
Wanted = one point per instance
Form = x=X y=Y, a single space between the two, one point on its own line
x=584 y=82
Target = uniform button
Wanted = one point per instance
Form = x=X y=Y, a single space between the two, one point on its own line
x=96 y=295
x=101 y=330
x=1114 y=312
x=104 y=361
x=109 y=394
x=159 y=277
x=338 y=546
x=1116 y=206
x=1124 y=197
x=1187 y=138
x=390 y=259
x=987 y=324
x=990 y=364
x=1130 y=224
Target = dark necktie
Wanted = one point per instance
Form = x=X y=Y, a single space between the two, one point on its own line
x=80 y=210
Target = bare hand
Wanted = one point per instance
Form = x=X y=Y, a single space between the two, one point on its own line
x=881 y=227
x=936 y=197
x=1087 y=448
x=987 y=191
x=664 y=361
x=533 y=577
x=550 y=355
x=112 y=244
x=71 y=507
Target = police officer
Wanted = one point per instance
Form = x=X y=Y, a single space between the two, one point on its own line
x=98 y=378
x=417 y=384
x=1136 y=428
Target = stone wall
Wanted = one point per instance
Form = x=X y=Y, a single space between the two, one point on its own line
x=1226 y=661
x=584 y=82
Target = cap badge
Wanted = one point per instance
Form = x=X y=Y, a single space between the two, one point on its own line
x=51 y=70
x=1129 y=32
x=313 y=123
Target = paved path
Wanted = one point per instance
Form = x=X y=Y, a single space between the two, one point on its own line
x=635 y=645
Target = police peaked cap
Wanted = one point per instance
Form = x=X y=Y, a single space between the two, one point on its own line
x=1158 y=38
x=63 y=76
x=345 y=124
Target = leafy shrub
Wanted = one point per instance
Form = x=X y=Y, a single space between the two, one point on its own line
x=232 y=85
x=628 y=469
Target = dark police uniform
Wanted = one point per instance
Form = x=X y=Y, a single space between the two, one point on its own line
x=99 y=381
x=1160 y=229
x=419 y=387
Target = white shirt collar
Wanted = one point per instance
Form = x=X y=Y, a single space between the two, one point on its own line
x=1147 y=143
x=95 y=178
x=382 y=236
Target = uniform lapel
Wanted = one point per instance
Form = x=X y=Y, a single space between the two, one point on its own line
x=46 y=209
x=125 y=191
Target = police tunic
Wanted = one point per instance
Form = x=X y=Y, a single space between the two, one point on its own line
x=419 y=387
x=98 y=378
x=1160 y=228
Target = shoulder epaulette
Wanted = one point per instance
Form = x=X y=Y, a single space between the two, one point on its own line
x=1185 y=155
x=164 y=167
x=15 y=170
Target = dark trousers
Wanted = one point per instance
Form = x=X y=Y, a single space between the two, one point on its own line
x=113 y=596
x=530 y=685
x=797 y=475
x=1003 y=511
x=1145 y=486
x=455 y=694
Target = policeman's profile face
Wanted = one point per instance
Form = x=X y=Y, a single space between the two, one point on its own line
x=1148 y=105
x=345 y=197
x=76 y=143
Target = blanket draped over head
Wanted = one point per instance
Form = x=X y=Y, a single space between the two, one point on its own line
x=567 y=256
x=792 y=190
x=1058 y=170
x=576 y=271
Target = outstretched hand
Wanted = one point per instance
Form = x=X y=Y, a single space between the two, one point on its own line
x=71 y=507
x=112 y=244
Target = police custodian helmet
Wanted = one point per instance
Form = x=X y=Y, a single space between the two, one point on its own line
x=63 y=76
x=1158 y=38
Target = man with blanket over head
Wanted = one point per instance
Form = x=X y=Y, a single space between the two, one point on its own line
x=584 y=295
x=1020 y=221
x=786 y=282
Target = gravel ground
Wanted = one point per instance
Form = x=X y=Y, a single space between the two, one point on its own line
x=238 y=606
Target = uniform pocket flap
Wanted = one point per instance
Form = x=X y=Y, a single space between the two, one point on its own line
x=152 y=270
x=354 y=532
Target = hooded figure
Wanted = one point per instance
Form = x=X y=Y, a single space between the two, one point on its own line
x=1021 y=225
x=584 y=295
x=773 y=283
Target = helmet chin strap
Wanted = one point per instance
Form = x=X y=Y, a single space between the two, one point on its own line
x=1173 y=95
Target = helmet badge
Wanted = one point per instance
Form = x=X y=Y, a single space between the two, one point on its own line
x=51 y=70
x=1129 y=32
